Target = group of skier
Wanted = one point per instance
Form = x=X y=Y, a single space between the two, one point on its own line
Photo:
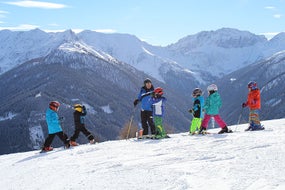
x=152 y=108
x=152 y=112
x=55 y=129
x=202 y=112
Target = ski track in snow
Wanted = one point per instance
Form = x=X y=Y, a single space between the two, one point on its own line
x=240 y=160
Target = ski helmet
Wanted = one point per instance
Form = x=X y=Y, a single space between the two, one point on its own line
x=197 y=92
x=252 y=85
x=212 y=87
x=158 y=91
x=78 y=107
x=54 y=105
x=147 y=80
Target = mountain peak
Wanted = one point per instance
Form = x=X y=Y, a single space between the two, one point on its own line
x=224 y=38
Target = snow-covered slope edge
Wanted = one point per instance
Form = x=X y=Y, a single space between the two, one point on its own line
x=241 y=160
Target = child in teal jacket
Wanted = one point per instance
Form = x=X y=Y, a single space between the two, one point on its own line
x=54 y=128
x=212 y=105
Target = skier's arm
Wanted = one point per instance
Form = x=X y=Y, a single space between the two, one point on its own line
x=146 y=94
x=84 y=112
x=141 y=96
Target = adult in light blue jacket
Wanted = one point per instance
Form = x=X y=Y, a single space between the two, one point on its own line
x=54 y=128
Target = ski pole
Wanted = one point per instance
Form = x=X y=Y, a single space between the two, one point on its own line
x=130 y=124
x=239 y=118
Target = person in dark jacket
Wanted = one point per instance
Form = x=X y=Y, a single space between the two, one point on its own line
x=79 y=121
x=146 y=107
x=196 y=111
x=54 y=127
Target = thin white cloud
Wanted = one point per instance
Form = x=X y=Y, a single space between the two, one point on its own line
x=270 y=7
x=53 y=24
x=4 y=12
x=277 y=16
x=37 y=4
x=20 y=27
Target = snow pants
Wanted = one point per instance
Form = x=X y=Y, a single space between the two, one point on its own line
x=84 y=131
x=217 y=118
x=254 y=118
x=195 y=124
x=63 y=137
x=147 y=120
x=160 y=131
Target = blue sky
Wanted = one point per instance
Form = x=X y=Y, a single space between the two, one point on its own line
x=158 y=22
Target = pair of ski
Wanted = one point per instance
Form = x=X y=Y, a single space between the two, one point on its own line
x=151 y=137
x=197 y=133
x=207 y=133
x=64 y=148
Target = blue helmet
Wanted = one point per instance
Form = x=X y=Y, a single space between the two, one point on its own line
x=252 y=85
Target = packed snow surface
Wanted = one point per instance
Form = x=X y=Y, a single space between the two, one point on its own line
x=240 y=160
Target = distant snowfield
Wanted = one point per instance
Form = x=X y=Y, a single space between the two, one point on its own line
x=241 y=160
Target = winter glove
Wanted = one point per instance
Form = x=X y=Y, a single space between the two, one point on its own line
x=244 y=105
x=61 y=118
x=83 y=108
x=190 y=111
x=136 y=102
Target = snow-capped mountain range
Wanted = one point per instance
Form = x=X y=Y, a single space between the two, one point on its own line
x=105 y=72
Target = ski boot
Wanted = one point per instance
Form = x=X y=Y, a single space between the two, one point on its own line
x=73 y=143
x=92 y=141
x=46 y=149
x=225 y=130
x=255 y=127
x=202 y=130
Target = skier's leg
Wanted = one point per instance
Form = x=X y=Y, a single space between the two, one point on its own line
x=219 y=120
x=64 y=138
x=254 y=120
x=195 y=124
x=87 y=133
x=144 y=122
x=205 y=121
x=150 y=122
x=49 y=140
x=160 y=131
x=75 y=134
